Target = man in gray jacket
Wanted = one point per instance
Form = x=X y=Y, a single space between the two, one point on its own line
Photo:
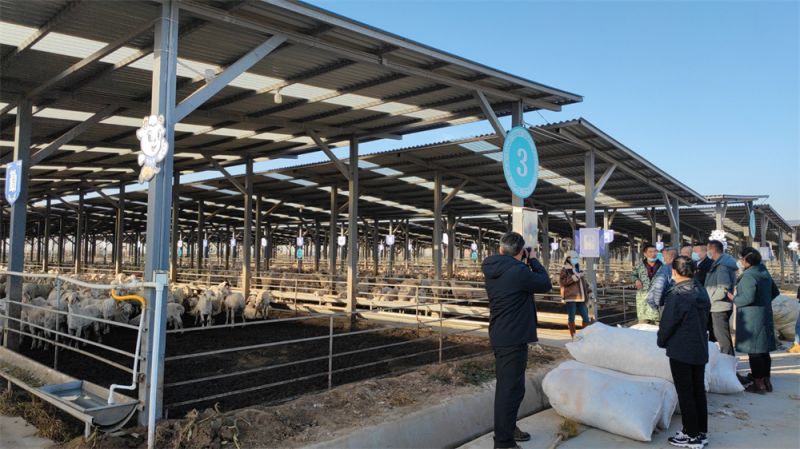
x=720 y=280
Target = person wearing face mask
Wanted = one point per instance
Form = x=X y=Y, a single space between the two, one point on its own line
x=642 y=277
x=682 y=332
x=719 y=282
x=662 y=281
x=755 y=328
x=574 y=291
x=702 y=261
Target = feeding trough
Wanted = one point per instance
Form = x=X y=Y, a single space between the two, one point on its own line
x=81 y=399
x=98 y=407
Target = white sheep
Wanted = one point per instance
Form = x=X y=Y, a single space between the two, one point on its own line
x=33 y=318
x=258 y=303
x=232 y=304
x=174 y=313
x=81 y=316
x=202 y=311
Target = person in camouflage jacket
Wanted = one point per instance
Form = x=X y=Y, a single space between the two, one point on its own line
x=642 y=277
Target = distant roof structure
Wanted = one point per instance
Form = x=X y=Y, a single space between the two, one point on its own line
x=735 y=198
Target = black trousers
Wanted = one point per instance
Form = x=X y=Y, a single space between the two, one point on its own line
x=721 y=323
x=760 y=365
x=510 y=364
x=691 y=396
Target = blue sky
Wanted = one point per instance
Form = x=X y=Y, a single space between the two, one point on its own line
x=708 y=91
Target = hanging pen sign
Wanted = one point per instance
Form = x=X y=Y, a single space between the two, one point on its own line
x=13 y=181
x=520 y=162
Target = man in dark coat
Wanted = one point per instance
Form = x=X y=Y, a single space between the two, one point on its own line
x=511 y=279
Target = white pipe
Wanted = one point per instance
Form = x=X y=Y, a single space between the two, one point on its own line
x=135 y=362
x=155 y=366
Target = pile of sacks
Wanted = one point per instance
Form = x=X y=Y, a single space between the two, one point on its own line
x=784 y=314
x=621 y=382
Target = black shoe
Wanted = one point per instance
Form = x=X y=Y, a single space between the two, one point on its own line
x=704 y=438
x=768 y=384
x=682 y=440
x=519 y=435
x=745 y=380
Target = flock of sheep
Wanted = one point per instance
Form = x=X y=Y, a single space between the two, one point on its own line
x=85 y=313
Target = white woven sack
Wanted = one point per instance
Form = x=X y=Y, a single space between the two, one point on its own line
x=630 y=406
x=723 y=378
x=622 y=349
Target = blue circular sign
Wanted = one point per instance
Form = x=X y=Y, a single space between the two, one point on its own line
x=752 y=224
x=520 y=162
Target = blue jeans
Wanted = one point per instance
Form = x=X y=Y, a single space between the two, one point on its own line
x=581 y=308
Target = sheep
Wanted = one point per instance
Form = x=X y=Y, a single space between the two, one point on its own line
x=174 y=313
x=233 y=303
x=258 y=305
x=81 y=316
x=34 y=318
x=202 y=311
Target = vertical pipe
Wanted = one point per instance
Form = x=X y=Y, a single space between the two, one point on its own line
x=19 y=210
x=317 y=244
x=227 y=245
x=61 y=242
x=606 y=256
x=375 y=245
x=781 y=255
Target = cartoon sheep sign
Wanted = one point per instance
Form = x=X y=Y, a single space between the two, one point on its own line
x=154 y=146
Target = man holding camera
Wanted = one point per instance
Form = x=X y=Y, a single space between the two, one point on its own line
x=511 y=279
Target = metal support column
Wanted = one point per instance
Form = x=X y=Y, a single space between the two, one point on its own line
x=201 y=236
x=46 y=249
x=352 y=228
x=173 y=242
x=606 y=256
x=317 y=244
x=78 y=245
x=258 y=250
x=375 y=246
x=19 y=211
x=546 y=238
x=60 y=249
x=406 y=243
x=437 y=226
x=764 y=225
x=247 y=237
x=119 y=230
x=159 y=199
x=333 y=243
x=781 y=256
x=451 y=247
x=589 y=181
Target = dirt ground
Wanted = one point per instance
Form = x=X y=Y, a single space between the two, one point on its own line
x=321 y=416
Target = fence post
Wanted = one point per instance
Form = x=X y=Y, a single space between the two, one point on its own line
x=330 y=354
x=441 y=330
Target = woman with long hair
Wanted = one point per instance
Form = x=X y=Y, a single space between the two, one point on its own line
x=574 y=291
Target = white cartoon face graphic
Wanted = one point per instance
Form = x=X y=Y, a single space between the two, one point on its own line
x=153 y=143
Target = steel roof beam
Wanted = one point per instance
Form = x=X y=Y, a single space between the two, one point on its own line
x=603 y=179
x=94 y=57
x=220 y=16
x=41 y=32
x=226 y=174
x=324 y=147
x=454 y=192
x=200 y=96
x=489 y=114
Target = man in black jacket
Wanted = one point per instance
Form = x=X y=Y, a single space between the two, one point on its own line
x=511 y=279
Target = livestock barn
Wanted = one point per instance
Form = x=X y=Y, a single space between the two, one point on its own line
x=195 y=227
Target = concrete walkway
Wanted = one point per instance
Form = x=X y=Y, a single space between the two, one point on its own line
x=743 y=420
x=15 y=433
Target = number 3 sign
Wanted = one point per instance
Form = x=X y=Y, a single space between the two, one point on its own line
x=520 y=162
